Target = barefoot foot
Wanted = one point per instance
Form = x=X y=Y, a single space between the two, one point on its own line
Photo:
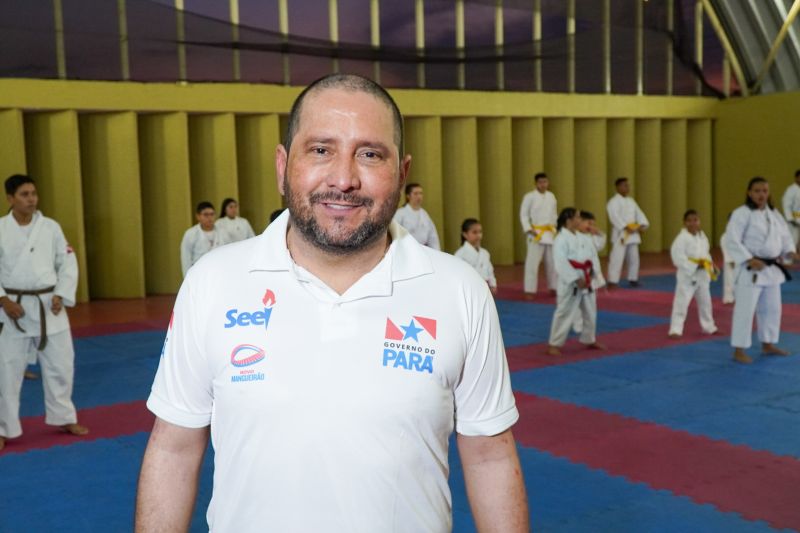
x=75 y=429
x=740 y=357
x=771 y=349
x=554 y=351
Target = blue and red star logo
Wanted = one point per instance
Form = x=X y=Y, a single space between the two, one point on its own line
x=416 y=325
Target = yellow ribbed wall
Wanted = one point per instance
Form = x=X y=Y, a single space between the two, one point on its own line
x=591 y=190
x=423 y=139
x=212 y=158
x=496 y=185
x=460 y=177
x=166 y=197
x=257 y=136
x=559 y=159
x=53 y=160
x=12 y=149
x=673 y=179
x=112 y=205
x=153 y=150
x=527 y=139
x=699 y=172
x=646 y=181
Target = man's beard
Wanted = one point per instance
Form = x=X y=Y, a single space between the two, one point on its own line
x=337 y=240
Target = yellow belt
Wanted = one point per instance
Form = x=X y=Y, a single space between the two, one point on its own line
x=796 y=214
x=707 y=265
x=540 y=230
x=629 y=230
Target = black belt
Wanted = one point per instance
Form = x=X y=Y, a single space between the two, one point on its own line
x=776 y=263
x=42 y=319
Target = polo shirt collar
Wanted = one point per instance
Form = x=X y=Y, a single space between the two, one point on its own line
x=407 y=258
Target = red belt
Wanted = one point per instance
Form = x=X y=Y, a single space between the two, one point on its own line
x=587 y=268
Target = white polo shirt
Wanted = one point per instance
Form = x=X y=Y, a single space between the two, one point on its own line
x=332 y=413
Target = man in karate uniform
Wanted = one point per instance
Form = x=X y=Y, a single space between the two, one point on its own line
x=202 y=237
x=628 y=223
x=538 y=214
x=38 y=278
x=691 y=255
x=758 y=241
x=791 y=208
x=416 y=220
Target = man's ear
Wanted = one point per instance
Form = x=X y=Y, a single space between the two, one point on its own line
x=281 y=159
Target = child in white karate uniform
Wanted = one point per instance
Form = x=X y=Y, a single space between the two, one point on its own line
x=577 y=265
x=692 y=257
x=590 y=230
x=472 y=253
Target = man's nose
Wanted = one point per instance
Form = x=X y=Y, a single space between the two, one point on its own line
x=343 y=173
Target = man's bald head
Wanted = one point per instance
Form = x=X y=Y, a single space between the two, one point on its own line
x=347 y=82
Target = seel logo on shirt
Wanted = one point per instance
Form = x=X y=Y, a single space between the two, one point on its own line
x=413 y=357
x=245 y=355
x=252 y=318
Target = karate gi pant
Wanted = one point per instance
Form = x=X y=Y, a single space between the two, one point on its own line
x=727 y=283
x=537 y=252
x=571 y=302
x=627 y=253
x=795 y=232
x=685 y=290
x=765 y=303
x=57 y=363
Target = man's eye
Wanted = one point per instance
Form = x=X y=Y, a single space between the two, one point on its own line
x=371 y=155
x=319 y=150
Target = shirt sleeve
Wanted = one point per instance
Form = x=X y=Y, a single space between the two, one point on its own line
x=564 y=269
x=182 y=392
x=186 y=252
x=679 y=256
x=524 y=213
x=787 y=201
x=641 y=219
x=66 y=265
x=433 y=236
x=614 y=214
x=734 y=236
x=485 y=405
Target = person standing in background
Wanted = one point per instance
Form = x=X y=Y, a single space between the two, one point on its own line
x=472 y=253
x=415 y=219
x=759 y=242
x=38 y=279
x=691 y=255
x=231 y=224
x=538 y=214
x=791 y=208
x=628 y=223
x=200 y=238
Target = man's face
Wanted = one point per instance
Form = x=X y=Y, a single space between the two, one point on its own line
x=24 y=200
x=206 y=218
x=692 y=224
x=415 y=197
x=623 y=188
x=542 y=184
x=759 y=194
x=343 y=177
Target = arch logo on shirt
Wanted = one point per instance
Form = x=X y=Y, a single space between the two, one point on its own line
x=245 y=355
x=408 y=347
x=260 y=317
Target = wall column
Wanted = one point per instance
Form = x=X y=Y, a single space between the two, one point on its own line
x=527 y=156
x=673 y=179
x=212 y=156
x=12 y=149
x=496 y=187
x=699 y=173
x=113 y=208
x=591 y=192
x=423 y=140
x=646 y=184
x=559 y=159
x=54 y=161
x=166 y=195
x=459 y=176
x=257 y=137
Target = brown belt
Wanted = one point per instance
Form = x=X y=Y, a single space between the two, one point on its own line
x=42 y=319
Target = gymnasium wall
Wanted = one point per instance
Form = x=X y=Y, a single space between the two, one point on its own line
x=757 y=136
x=121 y=165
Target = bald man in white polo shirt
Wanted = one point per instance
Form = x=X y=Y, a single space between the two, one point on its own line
x=332 y=357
